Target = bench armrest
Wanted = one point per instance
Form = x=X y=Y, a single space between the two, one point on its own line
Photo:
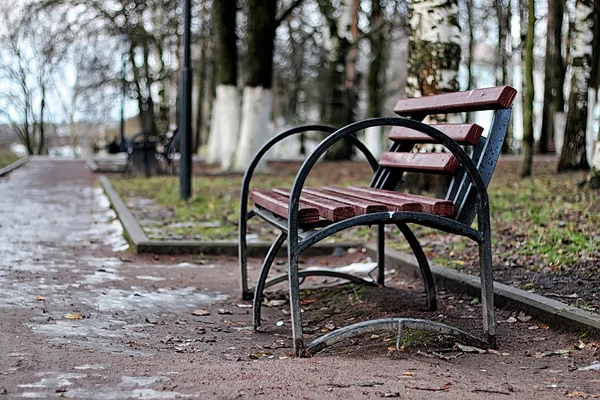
x=278 y=138
x=349 y=130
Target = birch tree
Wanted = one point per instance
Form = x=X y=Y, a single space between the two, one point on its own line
x=573 y=155
x=435 y=47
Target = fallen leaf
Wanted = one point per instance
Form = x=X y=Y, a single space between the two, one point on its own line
x=200 y=330
x=523 y=318
x=575 y=394
x=40 y=298
x=511 y=320
x=152 y=320
x=223 y=311
x=389 y=395
x=407 y=373
x=73 y=316
x=279 y=323
x=244 y=305
x=374 y=337
x=307 y=301
x=275 y=303
x=201 y=313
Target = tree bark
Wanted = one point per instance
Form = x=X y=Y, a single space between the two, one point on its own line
x=434 y=48
x=258 y=66
x=224 y=127
x=529 y=94
x=573 y=155
x=554 y=69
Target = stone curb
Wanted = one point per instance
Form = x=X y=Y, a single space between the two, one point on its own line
x=91 y=164
x=11 y=167
x=141 y=244
x=550 y=311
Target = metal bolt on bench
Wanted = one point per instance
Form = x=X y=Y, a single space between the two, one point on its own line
x=296 y=212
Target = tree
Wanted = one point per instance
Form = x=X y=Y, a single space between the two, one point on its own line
x=528 y=94
x=375 y=79
x=32 y=51
x=573 y=155
x=435 y=47
x=258 y=67
x=339 y=94
x=225 y=121
x=594 y=176
x=554 y=72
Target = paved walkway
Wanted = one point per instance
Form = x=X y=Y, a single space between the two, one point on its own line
x=81 y=317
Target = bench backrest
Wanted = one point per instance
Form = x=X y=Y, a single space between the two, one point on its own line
x=484 y=151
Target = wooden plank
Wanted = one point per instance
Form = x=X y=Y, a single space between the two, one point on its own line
x=361 y=206
x=466 y=134
x=421 y=162
x=328 y=209
x=278 y=205
x=430 y=205
x=395 y=203
x=493 y=98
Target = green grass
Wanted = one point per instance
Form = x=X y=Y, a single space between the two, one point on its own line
x=547 y=218
x=7 y=159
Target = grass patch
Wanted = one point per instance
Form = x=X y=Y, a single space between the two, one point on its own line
x=7 y=159
x=546 y=222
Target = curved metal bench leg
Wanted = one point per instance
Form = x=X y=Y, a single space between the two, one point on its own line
x=487 y=278
x=264 y=273
x=295 y=311
x=423 y=265
x=381 y=254
x=362 y=328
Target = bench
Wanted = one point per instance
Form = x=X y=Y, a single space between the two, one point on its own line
x=306 y=216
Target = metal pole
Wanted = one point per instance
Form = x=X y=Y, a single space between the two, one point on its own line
x=185 y=117
x=123 y=93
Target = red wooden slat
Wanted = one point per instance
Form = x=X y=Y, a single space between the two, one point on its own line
x=278 y=205
x=461 y=133
x=361 y=206
x=397 y=204
x=425 y=162
x=493 y=98
x=430 y=205
x=328 y=209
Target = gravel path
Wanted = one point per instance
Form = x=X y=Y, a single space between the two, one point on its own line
x=81 y=317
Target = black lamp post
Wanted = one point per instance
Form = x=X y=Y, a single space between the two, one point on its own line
x=185 y=109
x=124 y=47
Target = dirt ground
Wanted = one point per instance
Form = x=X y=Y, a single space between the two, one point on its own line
x=84 y=318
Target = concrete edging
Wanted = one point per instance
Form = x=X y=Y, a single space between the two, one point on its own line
x=11 y=167
x=141 y=244
x=548 y=310
x=91 y=164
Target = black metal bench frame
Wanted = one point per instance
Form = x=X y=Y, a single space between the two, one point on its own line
x=467 y=190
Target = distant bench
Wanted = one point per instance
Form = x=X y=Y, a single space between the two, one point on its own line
x=305 y=216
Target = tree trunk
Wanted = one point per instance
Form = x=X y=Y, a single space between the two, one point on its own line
x=594 y=176
x=528 y=94
x=553 y=71
x=200 y=78
x=42 y=138
x=225 y=117
x=434 y=49
x=373 y=136
x=258 y=96
x=573 y=155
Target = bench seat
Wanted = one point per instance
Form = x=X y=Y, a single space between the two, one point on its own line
x=334 y=204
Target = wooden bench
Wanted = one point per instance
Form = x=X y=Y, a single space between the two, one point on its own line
x=470 y=159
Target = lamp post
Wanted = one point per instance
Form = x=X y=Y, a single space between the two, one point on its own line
x=185 y=109
x=124 y=47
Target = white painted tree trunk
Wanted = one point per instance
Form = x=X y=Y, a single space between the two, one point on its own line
x=224 y=128
x=591 y=129
x=255 y=129
x=559 y=131
x=373 y=140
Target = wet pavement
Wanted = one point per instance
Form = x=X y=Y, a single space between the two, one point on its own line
x=82 y=317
